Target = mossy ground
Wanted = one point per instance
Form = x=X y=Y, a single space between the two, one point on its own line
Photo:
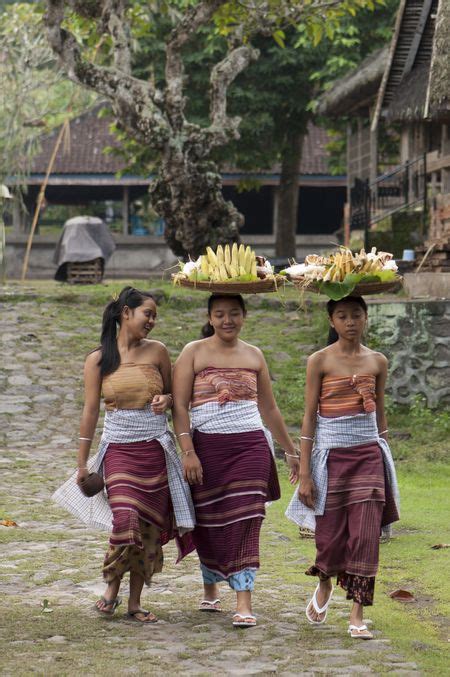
x=47 y=329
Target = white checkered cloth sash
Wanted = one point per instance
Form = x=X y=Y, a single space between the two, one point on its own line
x=344 y=431
x=229 y=418
x=126 y=426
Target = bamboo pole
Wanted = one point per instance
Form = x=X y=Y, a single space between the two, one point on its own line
x=64 y=130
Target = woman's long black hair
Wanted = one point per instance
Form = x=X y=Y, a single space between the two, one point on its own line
x=131 y=297
x=207 y=329
x=331 y=306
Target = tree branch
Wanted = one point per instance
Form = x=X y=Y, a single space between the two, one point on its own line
x=174 y=72
x=115 y=23
x=222 y=75
x=136 y=102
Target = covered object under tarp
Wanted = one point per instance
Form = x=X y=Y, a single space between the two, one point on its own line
x=84 y=238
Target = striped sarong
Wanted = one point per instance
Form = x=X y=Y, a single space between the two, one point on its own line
x=138 y=489
x=239 y=477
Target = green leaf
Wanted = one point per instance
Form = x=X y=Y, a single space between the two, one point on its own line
x=279 y=37
x=337 y=290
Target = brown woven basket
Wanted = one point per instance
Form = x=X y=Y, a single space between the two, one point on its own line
x=256 y=287
x=362 y=288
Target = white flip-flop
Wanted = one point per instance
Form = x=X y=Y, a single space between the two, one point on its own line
x=210 y=605
x=317 y=608
x=355 y=632
x=244 y=620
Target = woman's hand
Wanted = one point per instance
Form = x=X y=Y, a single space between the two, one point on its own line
x=192 y=468
x=294 y=468
x=307 y=491
x=160 y=403
x=82 y=474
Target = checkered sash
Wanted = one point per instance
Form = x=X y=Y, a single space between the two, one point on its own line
x=122 y=427
x=229 y=418
x=344 y=431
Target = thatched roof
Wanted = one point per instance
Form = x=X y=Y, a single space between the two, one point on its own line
x=357 y=89
x=438 y=95
x=416 y=82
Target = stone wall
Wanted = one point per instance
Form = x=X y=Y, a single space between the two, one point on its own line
x=415 y=336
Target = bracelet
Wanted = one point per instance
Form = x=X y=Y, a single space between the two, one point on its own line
x=303 y=437
x=88 y=439
x=170 y=396
x=384 y=431
x=291 y=455
x=187 y=452
x=83 y=467
x=181 y=434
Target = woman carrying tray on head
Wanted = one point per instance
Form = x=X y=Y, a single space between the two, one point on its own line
x=348 y=488
x=148 y=502
x=221 y=388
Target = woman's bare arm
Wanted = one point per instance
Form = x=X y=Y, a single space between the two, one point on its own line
x=183 y=380
x=91 y=408
x=161 y=403
x=380 y=387
x=273 y=419
x=314 y=373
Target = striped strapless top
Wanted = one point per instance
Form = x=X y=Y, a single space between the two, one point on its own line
x=224 y=384
x=347 y=395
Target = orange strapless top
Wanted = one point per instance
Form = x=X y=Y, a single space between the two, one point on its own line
x=347 y=395
x=217 y=384
x=132 y=386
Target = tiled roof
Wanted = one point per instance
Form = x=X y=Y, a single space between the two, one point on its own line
x=90 y=135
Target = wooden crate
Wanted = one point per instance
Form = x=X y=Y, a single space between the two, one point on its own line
x=86 y=272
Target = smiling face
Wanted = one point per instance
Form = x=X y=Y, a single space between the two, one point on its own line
x=141 y=320
x=227 y=318
x=349 y=320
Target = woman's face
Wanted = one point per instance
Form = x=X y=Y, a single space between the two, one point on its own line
x=141 y=320
x=349 y=320
x=227 y=318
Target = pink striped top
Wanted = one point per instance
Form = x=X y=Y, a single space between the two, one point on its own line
x=224 y=384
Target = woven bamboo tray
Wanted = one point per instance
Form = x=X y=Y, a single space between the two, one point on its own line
x=256 y=287
x=363 y=288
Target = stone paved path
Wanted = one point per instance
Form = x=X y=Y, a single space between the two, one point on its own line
x=49 y=556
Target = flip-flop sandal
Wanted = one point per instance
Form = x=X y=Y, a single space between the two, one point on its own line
x=317 y=608
x=113 y=603
x=132 y=616
x=244 y=621
x=355 y=632
x=210 y=605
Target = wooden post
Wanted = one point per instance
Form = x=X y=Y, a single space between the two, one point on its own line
x=125 y=209
x=64 y=130
x=445 y=150
x=347 y=224
x=276 y=202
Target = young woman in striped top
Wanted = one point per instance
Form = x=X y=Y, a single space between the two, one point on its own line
x=222 y=390
x=348 y=488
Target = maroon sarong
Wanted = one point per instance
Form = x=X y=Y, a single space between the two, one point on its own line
x=347 y=535
x=239 y=477
x=137 y=486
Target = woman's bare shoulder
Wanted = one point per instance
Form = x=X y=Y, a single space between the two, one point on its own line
x=93 y=358
x=318 y=358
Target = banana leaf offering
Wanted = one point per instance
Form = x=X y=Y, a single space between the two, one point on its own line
x=343 y=273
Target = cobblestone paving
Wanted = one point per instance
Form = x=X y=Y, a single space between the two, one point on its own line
x=49 y=556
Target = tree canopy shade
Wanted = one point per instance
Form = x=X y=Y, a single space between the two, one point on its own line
x=97 y=42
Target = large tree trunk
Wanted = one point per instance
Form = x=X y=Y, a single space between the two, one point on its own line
x=288 y=196
x=189 y=197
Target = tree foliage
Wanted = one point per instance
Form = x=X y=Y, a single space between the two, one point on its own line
x=154 y=110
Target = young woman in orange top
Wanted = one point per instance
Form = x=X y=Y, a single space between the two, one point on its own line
x=347 y=479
